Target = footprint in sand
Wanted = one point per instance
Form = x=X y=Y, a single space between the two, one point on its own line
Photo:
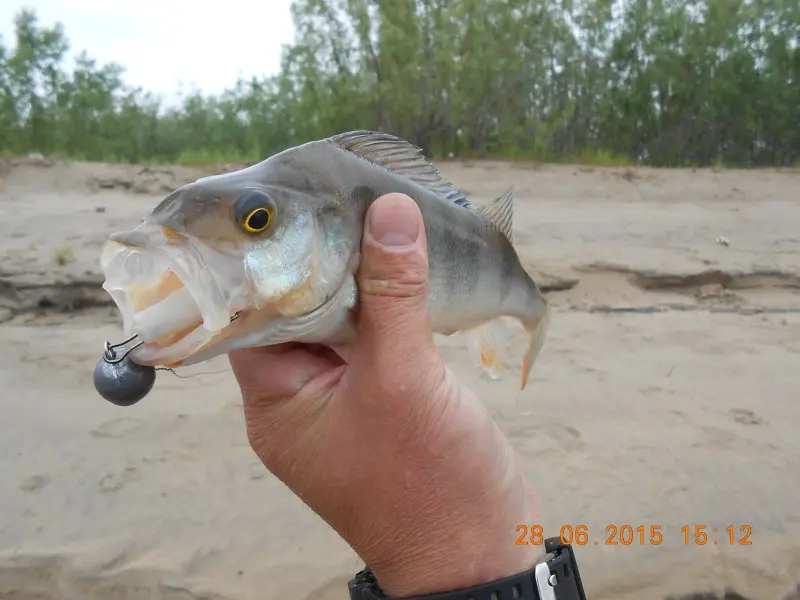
x=116 y=427
x=564 y=434
x=553 y=436
x=745 y=416
x=728 y=440
x=34 y=482
x=680 y=414
x=114 y=482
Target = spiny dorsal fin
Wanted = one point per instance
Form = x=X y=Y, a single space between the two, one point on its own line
x=400 y=157
x=500 y=212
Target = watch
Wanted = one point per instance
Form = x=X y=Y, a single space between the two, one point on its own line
x=555 y=578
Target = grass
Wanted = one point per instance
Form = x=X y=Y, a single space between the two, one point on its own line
x=603 y=158
x=211 y=158
x=63 y=255
x=205 y=156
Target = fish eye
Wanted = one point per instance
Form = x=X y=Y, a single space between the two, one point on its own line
x=254 y=211
x=258 y=220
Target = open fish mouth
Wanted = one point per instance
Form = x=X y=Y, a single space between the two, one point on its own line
x=166 y=293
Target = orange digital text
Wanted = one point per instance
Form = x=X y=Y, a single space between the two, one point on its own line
x=639 y=535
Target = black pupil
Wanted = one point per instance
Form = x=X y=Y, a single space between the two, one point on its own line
x=259 y=219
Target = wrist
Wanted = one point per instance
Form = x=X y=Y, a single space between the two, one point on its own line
x=437 y=570
x=457 y=548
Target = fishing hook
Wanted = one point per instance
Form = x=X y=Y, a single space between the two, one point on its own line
x=109 y=349
x=110 y=355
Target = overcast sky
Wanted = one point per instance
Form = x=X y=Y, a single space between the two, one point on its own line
x=163 y=43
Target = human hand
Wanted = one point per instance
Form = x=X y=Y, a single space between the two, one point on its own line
x=401 y=459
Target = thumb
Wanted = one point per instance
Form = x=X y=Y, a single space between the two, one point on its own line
x=393 y=277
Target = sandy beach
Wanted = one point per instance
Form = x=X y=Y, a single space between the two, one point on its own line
x=666 y=396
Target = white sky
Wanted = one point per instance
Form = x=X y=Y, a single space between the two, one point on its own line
x=164 y=44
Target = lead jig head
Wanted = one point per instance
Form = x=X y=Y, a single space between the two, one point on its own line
x=120 y=380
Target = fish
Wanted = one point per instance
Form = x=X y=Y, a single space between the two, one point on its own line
x=269 y=254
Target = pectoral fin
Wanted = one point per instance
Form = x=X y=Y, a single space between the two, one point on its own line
x=486 y=344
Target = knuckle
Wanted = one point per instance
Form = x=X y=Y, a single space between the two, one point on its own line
x=402 y=283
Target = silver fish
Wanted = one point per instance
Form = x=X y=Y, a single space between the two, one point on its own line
x=268 y=254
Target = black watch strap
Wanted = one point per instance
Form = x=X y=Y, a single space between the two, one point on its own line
x=556 y=578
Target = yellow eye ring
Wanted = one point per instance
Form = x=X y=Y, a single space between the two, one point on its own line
x=257 y=220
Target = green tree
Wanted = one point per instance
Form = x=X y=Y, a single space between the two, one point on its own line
x=666 y=82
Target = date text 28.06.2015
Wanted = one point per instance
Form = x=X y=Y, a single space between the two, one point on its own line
x=641 y=535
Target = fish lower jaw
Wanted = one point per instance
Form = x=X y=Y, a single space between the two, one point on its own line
x=169 y=341
x=172 y=351
x=180 y=347
x=171 y=329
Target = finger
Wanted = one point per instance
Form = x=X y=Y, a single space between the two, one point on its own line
x=393 y=278
x=276 y=372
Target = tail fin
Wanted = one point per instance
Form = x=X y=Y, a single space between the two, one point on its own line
x=536 y=327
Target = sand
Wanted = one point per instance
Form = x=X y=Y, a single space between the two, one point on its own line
x=666 y=395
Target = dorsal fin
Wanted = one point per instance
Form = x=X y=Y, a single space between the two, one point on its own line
x=500 y=212
x=400 y=157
